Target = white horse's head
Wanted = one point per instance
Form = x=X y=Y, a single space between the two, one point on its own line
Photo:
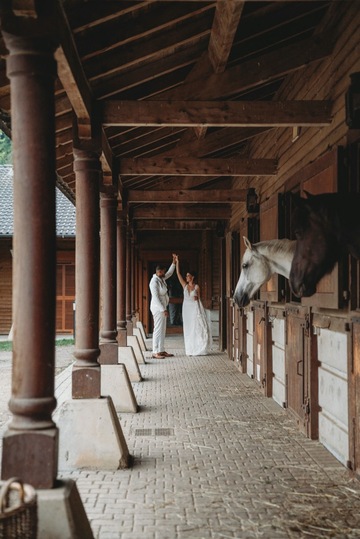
x=255 y=271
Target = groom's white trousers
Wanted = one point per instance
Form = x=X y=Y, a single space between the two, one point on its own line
x=159 y=331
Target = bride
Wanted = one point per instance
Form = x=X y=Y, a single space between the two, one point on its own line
x=197 y=336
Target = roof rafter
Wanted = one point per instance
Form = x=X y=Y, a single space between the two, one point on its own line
x=212 y=196
x=216 y=113
x=187 y=166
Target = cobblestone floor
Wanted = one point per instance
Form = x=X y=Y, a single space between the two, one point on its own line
x=214 y=458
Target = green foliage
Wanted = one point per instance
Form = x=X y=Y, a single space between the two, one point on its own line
x=6 y=346
x=5 y=150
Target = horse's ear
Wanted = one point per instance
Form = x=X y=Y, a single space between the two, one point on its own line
x=247 y=242
x=307 y=194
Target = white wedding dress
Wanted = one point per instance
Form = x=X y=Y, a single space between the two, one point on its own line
x=197 y=335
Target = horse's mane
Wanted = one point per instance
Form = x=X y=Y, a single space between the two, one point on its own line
x=285 y=245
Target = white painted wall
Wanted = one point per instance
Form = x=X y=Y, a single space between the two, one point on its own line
x=250 y=343
x=278 y=360
x=333 y=393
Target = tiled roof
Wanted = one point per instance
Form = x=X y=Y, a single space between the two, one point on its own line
x=65 y=210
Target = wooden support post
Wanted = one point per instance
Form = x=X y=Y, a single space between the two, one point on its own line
x=129 y=323
x=31 y=442
x=121 y=281
x=86 y=371
x=108 y=333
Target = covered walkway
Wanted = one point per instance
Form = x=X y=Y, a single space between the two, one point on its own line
x=214 y=458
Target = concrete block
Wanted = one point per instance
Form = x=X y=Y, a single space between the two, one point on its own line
x=61 y=514
x=133 y=341
x=115 y=382
x=127 y=357
x=90 y=435
x=138 y=334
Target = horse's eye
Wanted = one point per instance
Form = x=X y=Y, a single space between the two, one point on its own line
x=245 y=265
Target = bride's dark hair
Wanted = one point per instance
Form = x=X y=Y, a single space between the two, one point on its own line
x=194 y=274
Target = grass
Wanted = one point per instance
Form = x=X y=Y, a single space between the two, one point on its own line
x=6 y=346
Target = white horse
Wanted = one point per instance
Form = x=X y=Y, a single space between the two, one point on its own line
x=260 y=261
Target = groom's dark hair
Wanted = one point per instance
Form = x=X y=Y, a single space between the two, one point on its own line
x=160 y=267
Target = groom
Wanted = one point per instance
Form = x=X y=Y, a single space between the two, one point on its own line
x=158 y=307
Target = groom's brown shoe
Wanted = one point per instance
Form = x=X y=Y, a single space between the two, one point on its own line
x=158 y=356
x=165 y=354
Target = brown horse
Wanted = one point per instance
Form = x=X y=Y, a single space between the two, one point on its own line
x=326 y=226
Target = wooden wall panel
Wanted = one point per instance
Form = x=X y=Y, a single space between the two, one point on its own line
x=328 y=79
x=5 y=287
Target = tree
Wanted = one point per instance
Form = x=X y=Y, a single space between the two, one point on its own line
x=5 y=150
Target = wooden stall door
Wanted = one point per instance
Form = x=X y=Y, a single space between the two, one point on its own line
x=240 y=339
x=296 y=357
x=262 y=354
x=354 y=398
x=250 y=342
x=277 y=320
x=250 y=229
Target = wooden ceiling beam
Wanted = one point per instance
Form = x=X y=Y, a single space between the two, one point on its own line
x=187 y=166
x=259 y=70
x=169 y=224
x=181 y=212
x=213 y=196
x=70 y=70
x=216 y=113
x=225 y=24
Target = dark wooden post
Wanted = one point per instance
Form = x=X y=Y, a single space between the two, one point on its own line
x=121 y=280
x=129 y=323
x=108 y=333
x=133 y=280
x=30 y=445
x=86 y=370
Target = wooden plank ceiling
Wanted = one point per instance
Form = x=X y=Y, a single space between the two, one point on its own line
x=180 y=87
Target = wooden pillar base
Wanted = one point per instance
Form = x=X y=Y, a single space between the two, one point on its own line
x=39 y=450
x=122 y=337
x=115 y=382
x=86 y=382
x=108 y=353
x=128 y=358
x=91 y=436
x=129 y=327
x=61 y=513
x=133 y=341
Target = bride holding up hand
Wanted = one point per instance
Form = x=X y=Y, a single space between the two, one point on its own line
x=197 y=336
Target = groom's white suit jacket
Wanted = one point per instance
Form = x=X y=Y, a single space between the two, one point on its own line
x=159 y=291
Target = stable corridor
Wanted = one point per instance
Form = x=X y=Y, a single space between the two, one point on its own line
x=214 y=458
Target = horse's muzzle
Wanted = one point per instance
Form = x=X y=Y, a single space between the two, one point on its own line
x=242 y=300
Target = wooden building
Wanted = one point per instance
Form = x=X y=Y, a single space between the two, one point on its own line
x=65 y=254
x=166 y=115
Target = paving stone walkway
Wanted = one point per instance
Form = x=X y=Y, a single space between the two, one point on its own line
x=214 y=458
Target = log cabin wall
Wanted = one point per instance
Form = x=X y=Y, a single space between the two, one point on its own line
x=5 y=286
x=314 y=351
x=65 y=295
x=328 y=79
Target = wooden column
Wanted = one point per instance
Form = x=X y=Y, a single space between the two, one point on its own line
x=31 y=442
x=129 y=323
x=86 y=370
x=108 y=333
x=121 y=280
